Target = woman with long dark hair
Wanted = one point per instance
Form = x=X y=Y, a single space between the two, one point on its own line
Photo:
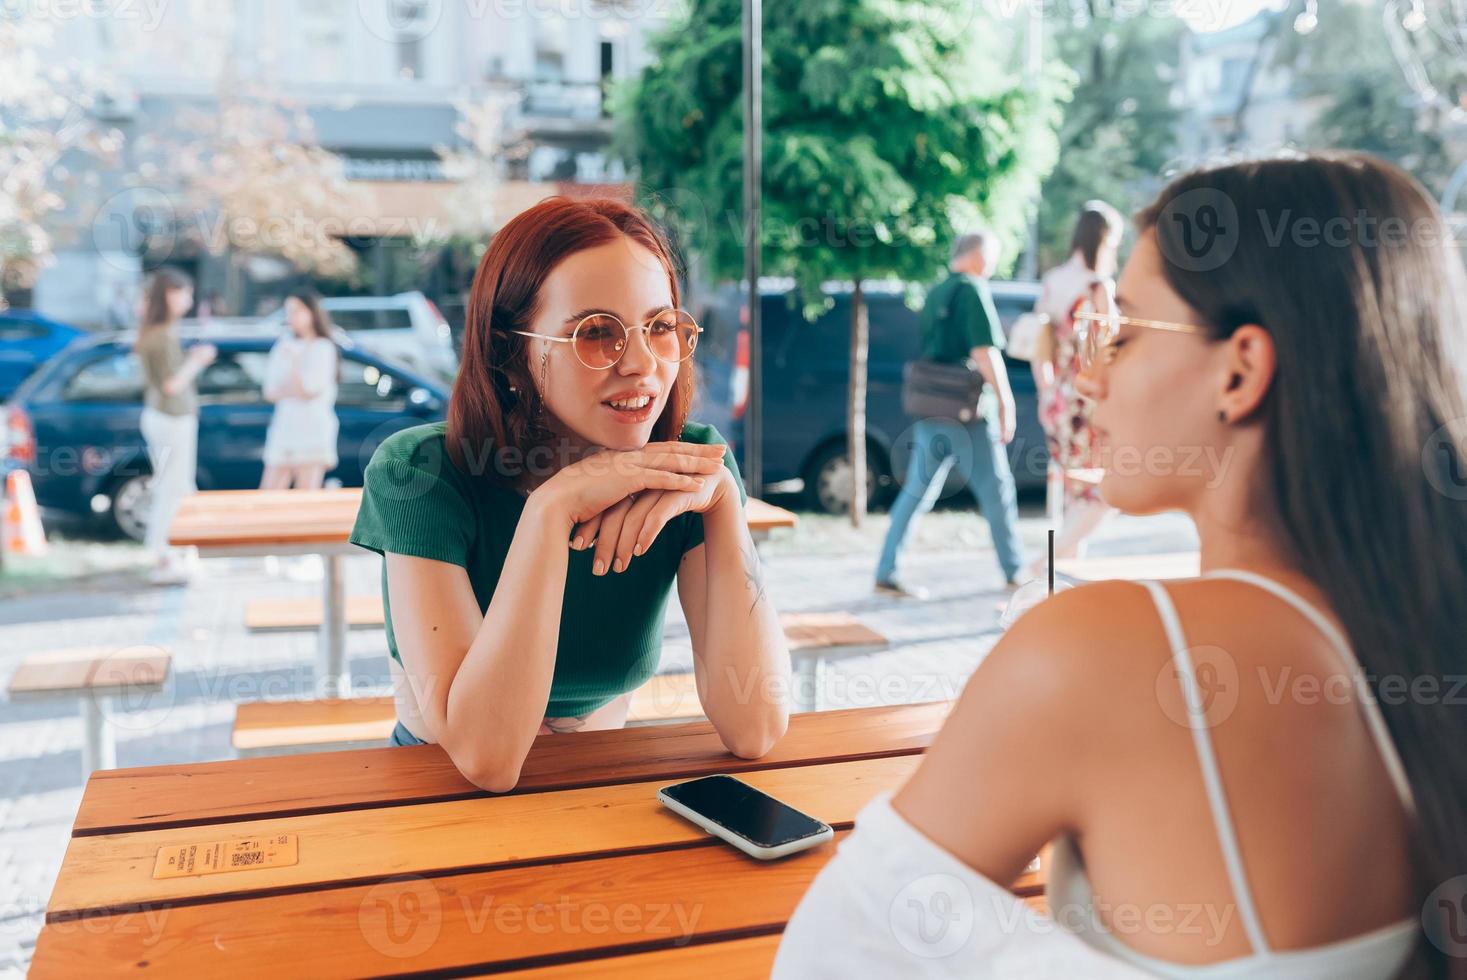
x=1063 y=412
x=1259 y=772
x=532 y=540
x=300 y=378
x=170 y=418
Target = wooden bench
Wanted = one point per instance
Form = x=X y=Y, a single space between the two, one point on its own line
x=95 y=677
x=281 y=615
x=281 y=727
x=324 y=725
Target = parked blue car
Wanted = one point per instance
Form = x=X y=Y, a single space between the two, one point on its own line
x=806 y=370
x=74 y=424
x=27 y=340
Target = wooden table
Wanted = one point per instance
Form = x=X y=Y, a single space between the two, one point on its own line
x=403 y=866
x=764 y=517
x=226 y=523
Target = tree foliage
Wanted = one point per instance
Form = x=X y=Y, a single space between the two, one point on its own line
x=889 y=127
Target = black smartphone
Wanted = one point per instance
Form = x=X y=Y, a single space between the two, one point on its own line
x=753 y=821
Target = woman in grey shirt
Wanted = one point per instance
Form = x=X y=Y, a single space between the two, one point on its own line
x=170 y=419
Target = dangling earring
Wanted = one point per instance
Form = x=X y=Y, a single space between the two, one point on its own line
x=540 y=403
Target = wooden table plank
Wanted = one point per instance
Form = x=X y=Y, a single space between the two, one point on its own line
x=157 y=797
x=114 y=871
x=516 y=918
x=735 y=959
x=491 y=920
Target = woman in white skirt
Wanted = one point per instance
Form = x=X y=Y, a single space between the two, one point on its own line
x=300 y=378
x=170 y=417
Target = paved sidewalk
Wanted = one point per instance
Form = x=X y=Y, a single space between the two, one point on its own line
x=823 y=565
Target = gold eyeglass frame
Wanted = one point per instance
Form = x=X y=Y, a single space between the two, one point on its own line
x=645 y=327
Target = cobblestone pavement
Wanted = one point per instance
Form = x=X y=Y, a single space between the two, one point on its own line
x=822 y=565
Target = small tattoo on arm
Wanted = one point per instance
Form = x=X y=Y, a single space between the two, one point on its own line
x=753 y=573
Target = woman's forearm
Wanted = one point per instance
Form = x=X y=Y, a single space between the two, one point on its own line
x=746 y=661
x=497 y=698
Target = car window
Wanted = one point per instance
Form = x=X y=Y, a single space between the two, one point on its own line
x=235 y=378
x=16 y=331
x=1010 y=308
x=115 y=377
x=363 y=385
x=382 y=319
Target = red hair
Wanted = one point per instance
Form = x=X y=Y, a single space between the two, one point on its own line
x=494 y=401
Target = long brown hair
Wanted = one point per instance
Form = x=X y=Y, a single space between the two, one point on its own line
x=1097 y=222
x=155 y=298
x=495 y=401
x=311 y=300
x=1347 y=262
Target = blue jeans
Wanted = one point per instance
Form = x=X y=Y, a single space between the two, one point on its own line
x=977 y=450
x=401 y=736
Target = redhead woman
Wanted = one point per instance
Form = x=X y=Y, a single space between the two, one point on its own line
x=531 y=542
x=1257 y=773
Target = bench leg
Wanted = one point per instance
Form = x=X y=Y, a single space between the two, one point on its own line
x=808 y=677
x=331 y=676
x=99 y=751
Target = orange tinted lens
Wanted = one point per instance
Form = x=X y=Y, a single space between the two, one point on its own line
x=672 y=335
x=600 y=339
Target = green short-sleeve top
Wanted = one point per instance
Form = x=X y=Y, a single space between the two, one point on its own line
x=958 y=316
x=415 y=501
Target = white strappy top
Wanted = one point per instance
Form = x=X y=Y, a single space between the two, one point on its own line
x=894 y=903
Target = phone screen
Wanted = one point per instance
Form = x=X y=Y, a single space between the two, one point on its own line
x=739 y=807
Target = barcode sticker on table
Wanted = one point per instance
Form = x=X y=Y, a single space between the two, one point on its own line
x=215 y=857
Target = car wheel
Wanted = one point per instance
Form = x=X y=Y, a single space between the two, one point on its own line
x=130 y=498
x=828 y=480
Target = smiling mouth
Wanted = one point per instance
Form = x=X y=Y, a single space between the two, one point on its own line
x=635 y=404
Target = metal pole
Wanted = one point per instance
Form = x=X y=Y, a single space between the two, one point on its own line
x=1033 y=65
x=753 y=158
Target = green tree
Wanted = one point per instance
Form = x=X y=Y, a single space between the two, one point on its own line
x=1119 y=128
x=890 y=126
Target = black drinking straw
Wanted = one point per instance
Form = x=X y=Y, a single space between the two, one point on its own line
x=1051 y=561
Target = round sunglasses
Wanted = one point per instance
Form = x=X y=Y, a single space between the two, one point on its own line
x=600 y=339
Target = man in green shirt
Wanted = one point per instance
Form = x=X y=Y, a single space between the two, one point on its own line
x=960 y=324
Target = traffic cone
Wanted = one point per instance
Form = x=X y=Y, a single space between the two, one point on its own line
x=23 y=532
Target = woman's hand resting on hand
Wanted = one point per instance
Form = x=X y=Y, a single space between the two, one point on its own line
x=628 y=527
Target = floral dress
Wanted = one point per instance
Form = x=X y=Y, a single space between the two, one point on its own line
x=1064 y=415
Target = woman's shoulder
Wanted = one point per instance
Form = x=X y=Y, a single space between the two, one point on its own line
x=421 y=446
